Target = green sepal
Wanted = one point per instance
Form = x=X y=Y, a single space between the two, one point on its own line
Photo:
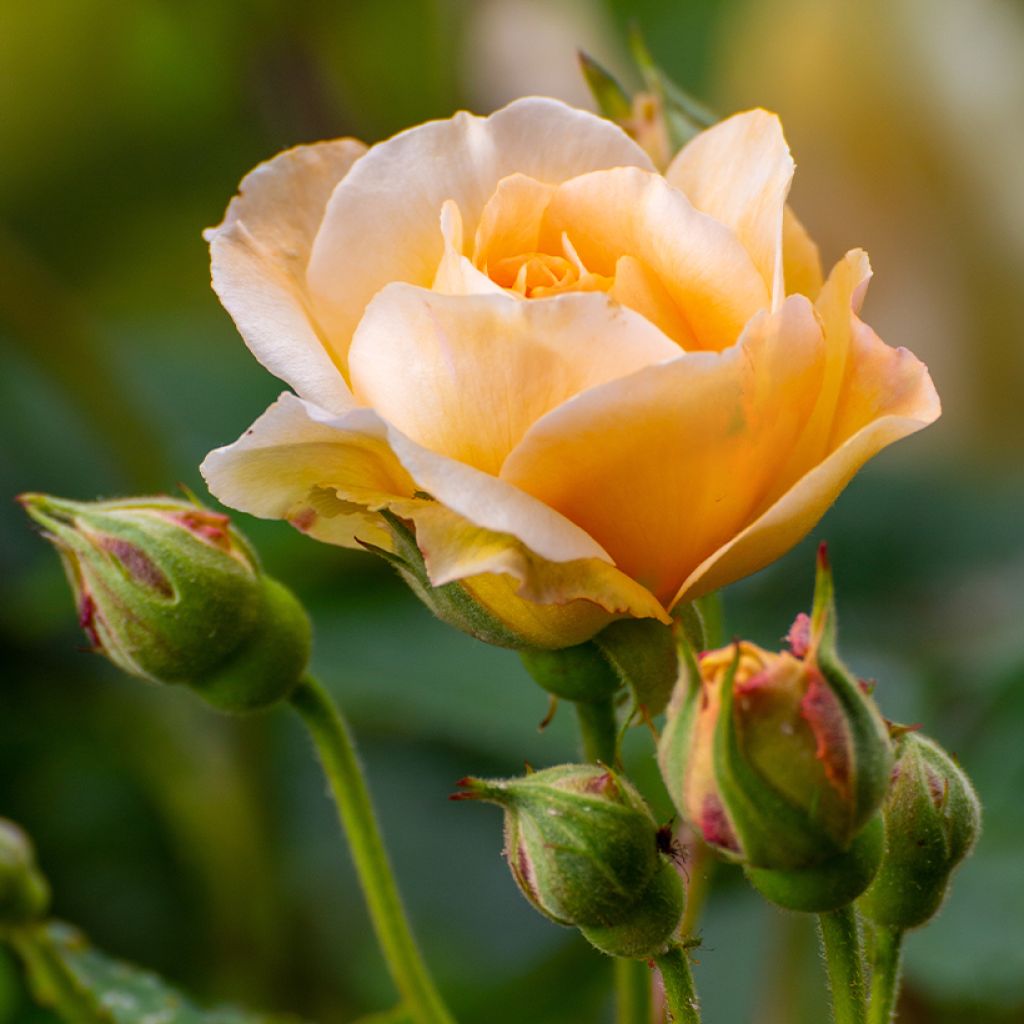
x=85 y=986
x=830 y=884
x=933 y=818
x=580 y=673
x=612 y=100
x=866 y=729
x=771 y=831
x=450 y=602
x=650 y=925
x=579 y=840
x=643 y=654
x=684 y=116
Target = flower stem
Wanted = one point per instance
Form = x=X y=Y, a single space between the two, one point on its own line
x=680 y=995
x=700 y=868
x=840 y=940
x=632 y=992
x=886 y=963
x=334 y=744
x=599 y=730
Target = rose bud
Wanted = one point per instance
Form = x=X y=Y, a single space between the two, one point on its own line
x=24 y=893
x=171 y=592
x=582 y=846
x=932 y=819
x=780 y=761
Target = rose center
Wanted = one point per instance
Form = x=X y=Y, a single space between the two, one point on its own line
x=534 y=274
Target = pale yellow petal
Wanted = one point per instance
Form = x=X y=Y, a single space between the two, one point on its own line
x=466 y=376
x=551 y=604
x=259 y=256
x=702 y=266
x=664 y=467
x=800 y=258
x=322 y=473
x=382 y=225
x=739 y=171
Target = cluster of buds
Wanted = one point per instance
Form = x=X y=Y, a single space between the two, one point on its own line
x=781 y=761
x=583 y=847
x=170 y=592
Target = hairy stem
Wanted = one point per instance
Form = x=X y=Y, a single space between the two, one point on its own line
x=334 y=744
x=680 y=995
x=599 y=730
x=840 y=940
x=886 y=964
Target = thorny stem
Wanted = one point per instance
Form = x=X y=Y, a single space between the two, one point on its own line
x=334 y=744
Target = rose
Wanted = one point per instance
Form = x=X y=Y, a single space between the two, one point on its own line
x=592 y=390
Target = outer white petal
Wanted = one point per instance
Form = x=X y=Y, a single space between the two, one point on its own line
x=259 y=256
x=381 y=222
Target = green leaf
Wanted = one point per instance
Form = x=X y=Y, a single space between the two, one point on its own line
x=86 y=986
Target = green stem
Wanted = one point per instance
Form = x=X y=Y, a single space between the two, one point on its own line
x=337 y=752
x=632 y=992
x=840 y=940
x=599 y=730
x=52 y=982
x=886 y=964
x=680 y=995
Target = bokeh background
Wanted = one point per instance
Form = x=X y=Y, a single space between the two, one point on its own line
x=205 y=847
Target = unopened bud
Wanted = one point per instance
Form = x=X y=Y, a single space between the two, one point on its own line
x=24 y=894
x=583 y=847
x=170 y=592
x=932 y=819
x=780 y=761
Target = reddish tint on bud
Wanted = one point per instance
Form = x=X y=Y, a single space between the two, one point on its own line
x=170 y=592
x=778 y=760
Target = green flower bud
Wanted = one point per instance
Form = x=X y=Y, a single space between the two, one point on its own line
x=932 y=820
x=170 y=592
x=781 y=760
x=24 y=894
x=583 y=848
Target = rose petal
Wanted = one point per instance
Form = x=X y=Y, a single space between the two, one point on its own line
x=739 y=171
x=466 y=376
x=259 y=256
x=871 y=396
x=328 y=475
x=510 y=221
x=456 y=274
x=701 y=265
x=664 y=467
x=382 y=225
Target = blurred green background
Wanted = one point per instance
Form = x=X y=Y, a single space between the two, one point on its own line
x=205 y=847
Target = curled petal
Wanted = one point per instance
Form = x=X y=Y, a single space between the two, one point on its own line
x=739 y=171
x=386 y=213
x=259 y=256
